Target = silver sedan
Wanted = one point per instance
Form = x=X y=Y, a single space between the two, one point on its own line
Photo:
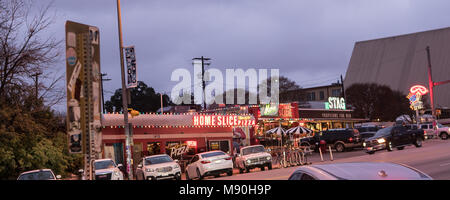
x=358 y=171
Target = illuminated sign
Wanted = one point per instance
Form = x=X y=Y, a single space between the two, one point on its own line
x=418 y=89
x=191 y=144
x=269 y=110
x=335 y=103
x=221 y=120
x=178 y=150
x=285 y=110
x=415 y=96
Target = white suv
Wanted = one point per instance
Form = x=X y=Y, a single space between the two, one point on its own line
x=211 y=163
x=106 y=169
x=40 y=174
x=158 y=167
x=431 y=132
x=253 y=157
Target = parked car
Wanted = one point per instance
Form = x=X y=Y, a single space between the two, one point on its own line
x=254 y=156
x=395 y=136
x=211 y=163
x=39 y=174
x=158 y=167
x=365 y=135
x=368 y=128
x=358 y=171
x=339 y=139
x=431 y=132
x=106 y=169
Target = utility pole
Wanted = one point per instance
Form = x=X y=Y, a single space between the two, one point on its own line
x=129 y=138
x=36 y=84
x=431 y=84
x=162 y=107
x=203 y=59
x=103 y=96
x=342 y=85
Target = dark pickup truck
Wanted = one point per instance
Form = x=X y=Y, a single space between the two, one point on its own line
x=397 y=136
x=340 y=139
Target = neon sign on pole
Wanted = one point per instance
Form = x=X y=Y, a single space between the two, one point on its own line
x=419 y=89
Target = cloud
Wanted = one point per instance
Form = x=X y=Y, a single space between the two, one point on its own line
x=304 y=39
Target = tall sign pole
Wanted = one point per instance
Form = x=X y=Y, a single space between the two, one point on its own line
x=129 y=139
x=430 y=82
x=83 y=92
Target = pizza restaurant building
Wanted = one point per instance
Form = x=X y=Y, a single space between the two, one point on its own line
x=179 y=135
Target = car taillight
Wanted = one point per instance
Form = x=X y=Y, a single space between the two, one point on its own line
x=229 y=158
x=205 y=161
x=350 y=139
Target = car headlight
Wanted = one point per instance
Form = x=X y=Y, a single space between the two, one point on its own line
x=268 y=158
x=116 y=173
x=364 y=144
x=381 y=140
x=149 y=170
x=176 y=166
x=248 y=161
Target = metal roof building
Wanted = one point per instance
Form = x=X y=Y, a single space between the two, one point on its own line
x=401 y=62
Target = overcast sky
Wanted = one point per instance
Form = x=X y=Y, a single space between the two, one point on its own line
x=311 y=42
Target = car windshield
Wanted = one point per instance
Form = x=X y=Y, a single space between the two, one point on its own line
x=218 y=153
x=440 y=125
x=384 y=131
x=158 y=160
x=106 y=164
x=44 y=175
x=250 y=150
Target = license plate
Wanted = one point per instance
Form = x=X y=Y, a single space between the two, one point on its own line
x=218 y=161
x=164 y=174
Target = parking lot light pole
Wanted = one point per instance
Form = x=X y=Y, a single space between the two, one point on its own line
x=128 y=136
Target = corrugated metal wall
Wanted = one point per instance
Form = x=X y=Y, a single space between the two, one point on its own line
x=401 y=62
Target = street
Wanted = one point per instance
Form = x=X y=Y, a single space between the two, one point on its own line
x=432 y=158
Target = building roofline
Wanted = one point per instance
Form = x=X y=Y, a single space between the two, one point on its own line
x=403 y=35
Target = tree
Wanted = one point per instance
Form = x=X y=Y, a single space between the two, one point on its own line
x=25 y=54
x=32 y=136
x=143 y=99
x=375 y=102
x=289 y=90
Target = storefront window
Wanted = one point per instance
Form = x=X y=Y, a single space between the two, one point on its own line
x=154 y=148
x=337 y=125
x=223 y=145
x=180 y=149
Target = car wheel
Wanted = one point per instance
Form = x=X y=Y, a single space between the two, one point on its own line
x=230 y=172
x=247 y=170
x=400 y=148
x=177 y=177
x=262 y=168
x=199 y=175
x=389 y=146
x=269 y=166
x=418 y=142
x=444 y=136
x=370 y=152
x=339 y=147
x=241 y=171
x=187 y=176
